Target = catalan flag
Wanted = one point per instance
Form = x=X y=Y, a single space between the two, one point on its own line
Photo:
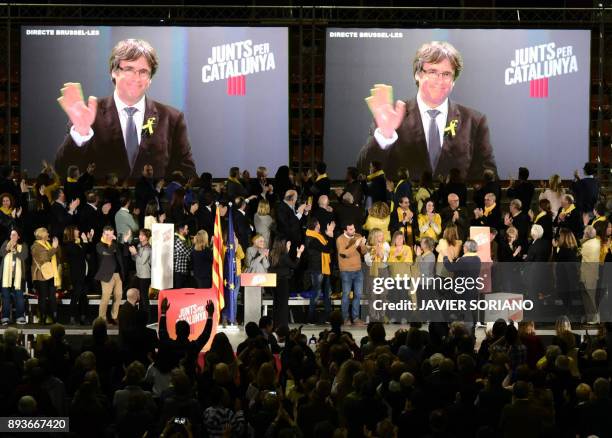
x=217 y=267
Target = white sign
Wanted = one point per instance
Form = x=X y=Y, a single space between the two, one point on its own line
x=162 y=256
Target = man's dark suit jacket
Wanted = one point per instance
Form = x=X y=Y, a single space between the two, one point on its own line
x=167 y=149
x=145 y=191
x=289 y=227
x=462 y=223
x=90 y=218
x=242 y=228
x=110 y=260
x=60 y=219
x=522 y=190
x=493 y=220
x=74 y=190
x=573 y=221
x=469 y=150
x=586 y=191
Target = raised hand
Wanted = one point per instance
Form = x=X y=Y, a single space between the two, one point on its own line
x=388 y=117
x=210 y=308
x=300 y=250
x=72 y=102
x=55 y=243
x=165 y=305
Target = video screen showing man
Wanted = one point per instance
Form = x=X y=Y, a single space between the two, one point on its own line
x=429 y=132
x=123 y=132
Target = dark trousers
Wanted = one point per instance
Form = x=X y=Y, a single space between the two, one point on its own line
x=78 y=300
x=143 y=287
x=47 y=304
x=180 y=280
x=280 y=306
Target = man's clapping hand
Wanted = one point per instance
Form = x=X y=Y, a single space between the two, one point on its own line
x=72 y=102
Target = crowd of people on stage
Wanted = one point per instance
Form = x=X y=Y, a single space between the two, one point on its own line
x=435 y=382
x=63 y=235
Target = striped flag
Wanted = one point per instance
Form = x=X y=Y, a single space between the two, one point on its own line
x=217 y=267
x=230 y=271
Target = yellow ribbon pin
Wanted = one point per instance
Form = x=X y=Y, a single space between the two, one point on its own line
x=149 y=125
x=451 y=127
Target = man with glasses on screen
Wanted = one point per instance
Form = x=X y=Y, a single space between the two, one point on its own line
x=429 y=132
x=123 y=132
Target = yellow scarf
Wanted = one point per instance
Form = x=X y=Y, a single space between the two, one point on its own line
x=371 y=176
x=71 y=180
x=106 y=242
x=488 y=210
x=7 y=270
x=320 y=177
x=325 y=257
x=180 y=236
x=568 y=210
x=598 y=219
x=540 y=215
x=57 y=281
x=7 y=211
x=470 y=254
x=235 y=180
x=404 y=255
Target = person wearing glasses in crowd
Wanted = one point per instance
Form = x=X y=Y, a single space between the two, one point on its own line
x=428 y=133
x=128 y=126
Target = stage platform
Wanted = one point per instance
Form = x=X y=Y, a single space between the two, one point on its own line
x=236 y=334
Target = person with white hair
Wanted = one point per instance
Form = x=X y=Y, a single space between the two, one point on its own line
x=589 y=273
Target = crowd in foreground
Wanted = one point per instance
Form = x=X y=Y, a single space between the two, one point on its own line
x=436 y=382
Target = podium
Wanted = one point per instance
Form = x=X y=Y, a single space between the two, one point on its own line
x=190 y=305
x=253 y=282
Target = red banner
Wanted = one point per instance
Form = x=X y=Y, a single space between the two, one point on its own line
x=190 y=305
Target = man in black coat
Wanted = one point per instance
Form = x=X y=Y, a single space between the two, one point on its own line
x=522 y=189
x=405 y=220
x=75 y=184
x=321 y=185
x=456 y=215
x=376 y=183
x=205 y=215
x=289 y=220
x=466 y=267
x=242 y=224
x=62 y=215
x=148 y=189
x=92 y=216
x=519 y=220
x=110 y=272
x=586 y=190
x=490 y=216
x=570 y=217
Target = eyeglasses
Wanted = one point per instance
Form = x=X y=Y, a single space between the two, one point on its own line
x=446 y=76
x=131 y=72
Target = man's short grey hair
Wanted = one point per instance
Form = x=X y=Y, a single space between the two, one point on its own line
x=589 y=232
x=569 y=198
x=516 y=203
x=427 y=242
x=470 y=245
x=537 y=231
x=348 y=198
